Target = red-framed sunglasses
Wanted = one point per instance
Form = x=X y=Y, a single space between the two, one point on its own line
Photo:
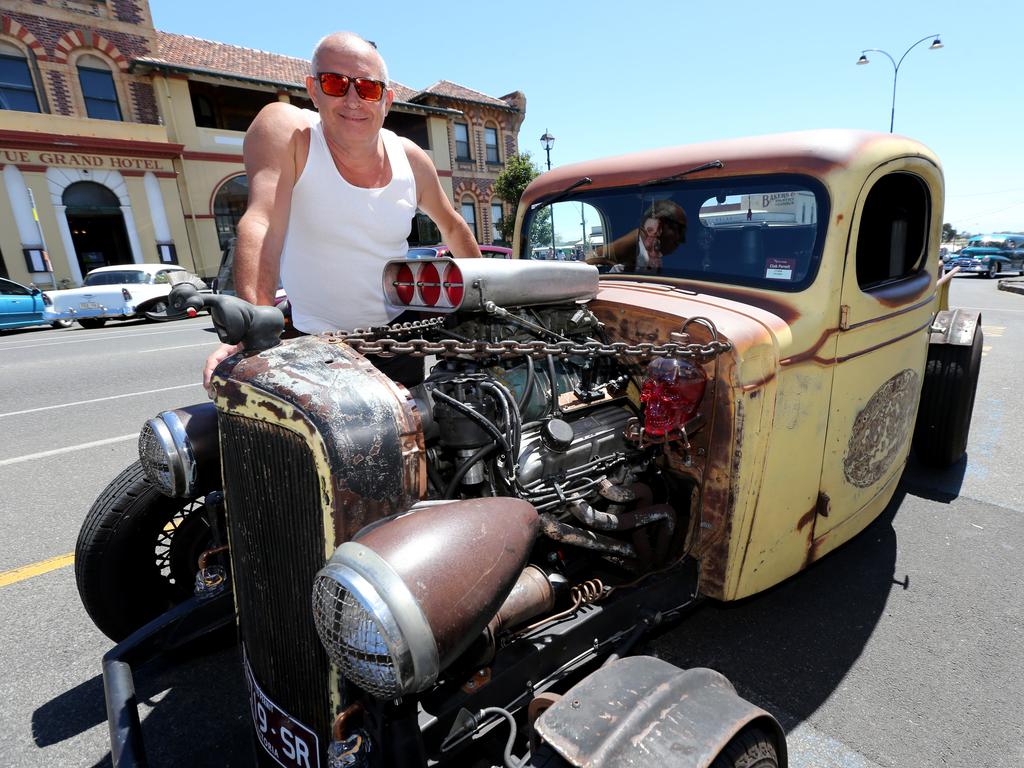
x=333 y=84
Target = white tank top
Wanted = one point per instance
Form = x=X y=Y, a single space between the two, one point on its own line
x=339 y=237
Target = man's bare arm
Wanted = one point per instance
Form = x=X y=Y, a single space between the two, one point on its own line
x=434 y=202
x=271 y=151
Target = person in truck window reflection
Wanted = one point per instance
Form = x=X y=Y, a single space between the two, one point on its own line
x=332 y=196
x=661 y=231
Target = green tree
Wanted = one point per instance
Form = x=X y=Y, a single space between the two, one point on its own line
x=948 y=233
x=519 y=171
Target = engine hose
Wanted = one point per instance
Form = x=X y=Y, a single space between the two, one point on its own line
x=513 y=418
x=480 y=419
x=531 y=375
x=569 y=534
x=555 y=410
x=464 y=467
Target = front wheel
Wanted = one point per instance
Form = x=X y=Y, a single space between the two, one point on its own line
x=137 y=553
x=751 y=748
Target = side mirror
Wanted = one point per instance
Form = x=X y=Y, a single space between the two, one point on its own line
x=35 y=291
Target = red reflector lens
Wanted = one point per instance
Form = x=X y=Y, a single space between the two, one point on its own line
x=453 y=287
x=430 y=284
x=404 y=285
x=671 y=393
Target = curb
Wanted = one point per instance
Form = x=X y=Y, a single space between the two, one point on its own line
x=1013 y=285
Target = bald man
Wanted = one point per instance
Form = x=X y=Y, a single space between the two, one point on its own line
x=332 y=196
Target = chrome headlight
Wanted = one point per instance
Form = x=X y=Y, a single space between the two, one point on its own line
x=178 y=450
x=371 y=626
x=398 y=604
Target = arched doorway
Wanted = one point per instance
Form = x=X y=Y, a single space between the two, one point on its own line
x=228 y=206
x=97 y=225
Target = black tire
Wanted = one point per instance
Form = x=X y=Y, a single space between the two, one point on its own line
x=137 y=553
x=157 y=312
x=750 y=748
x=947 y=401
x=62 y=323
x=92 y=322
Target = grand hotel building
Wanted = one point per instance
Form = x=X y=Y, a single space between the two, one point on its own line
x=120 y=143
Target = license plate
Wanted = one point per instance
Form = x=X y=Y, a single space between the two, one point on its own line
x=285 y=739
x=89 y=305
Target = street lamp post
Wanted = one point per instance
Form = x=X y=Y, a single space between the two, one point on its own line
x=936 y=43
x=548 y=141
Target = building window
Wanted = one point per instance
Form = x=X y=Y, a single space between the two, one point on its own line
x=229 y=204
x=491 y=142
x=893 y=230
x=462 y=142
x=469 y=214
x=98 y=89
x=16 y=89
x=497 y=214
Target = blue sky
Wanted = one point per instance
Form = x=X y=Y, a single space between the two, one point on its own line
x=610 y=77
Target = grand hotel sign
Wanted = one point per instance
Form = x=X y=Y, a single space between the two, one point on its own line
x=24 y=157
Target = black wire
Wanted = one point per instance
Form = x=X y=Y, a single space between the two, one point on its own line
x=530 y=376
x=464 y=467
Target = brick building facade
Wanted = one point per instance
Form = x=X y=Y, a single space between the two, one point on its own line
x=121 y=143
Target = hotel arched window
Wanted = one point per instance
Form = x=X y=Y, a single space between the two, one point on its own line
x=17 y=91
x=98 y=90
x=228 y=206
x=468 y=210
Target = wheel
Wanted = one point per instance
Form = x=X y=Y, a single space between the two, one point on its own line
x=137 y=553
x=62 y=323
x=750 y=748
x=92 y=322
x=157 y=312
x=947 y=401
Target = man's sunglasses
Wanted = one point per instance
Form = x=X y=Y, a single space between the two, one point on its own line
x=333 y=84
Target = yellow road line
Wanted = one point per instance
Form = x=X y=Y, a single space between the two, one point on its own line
x=36 y=569
x=993 y=330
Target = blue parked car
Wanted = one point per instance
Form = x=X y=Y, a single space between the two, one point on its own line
x=22 y=306
x=990 y=255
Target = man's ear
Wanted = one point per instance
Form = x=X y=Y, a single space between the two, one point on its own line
x=311 y=89
x=389 y=99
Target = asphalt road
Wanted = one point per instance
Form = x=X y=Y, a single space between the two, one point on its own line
x=903 y=648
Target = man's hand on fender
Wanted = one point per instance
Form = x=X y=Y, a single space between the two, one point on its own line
x=219 y=354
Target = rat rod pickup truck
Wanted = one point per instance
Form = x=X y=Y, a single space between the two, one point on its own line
x=455 y=568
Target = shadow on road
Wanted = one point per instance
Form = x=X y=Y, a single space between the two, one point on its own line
x=787 y=649
x=194 y=712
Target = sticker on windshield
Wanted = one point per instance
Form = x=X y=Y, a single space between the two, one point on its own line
x=779 y=269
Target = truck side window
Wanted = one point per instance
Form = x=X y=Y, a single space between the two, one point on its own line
x=893 y=230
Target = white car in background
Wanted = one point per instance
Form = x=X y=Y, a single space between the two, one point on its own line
x=121 y=292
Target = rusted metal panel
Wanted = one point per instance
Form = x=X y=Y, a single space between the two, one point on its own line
x=642 y=712
x=373 y=444
x=881 y=429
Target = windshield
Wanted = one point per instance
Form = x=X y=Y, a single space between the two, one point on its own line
x=765 y=230
x=118 y=277
x=993 y=242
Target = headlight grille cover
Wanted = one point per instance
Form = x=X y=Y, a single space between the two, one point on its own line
x=155 y=454
x=354 y=639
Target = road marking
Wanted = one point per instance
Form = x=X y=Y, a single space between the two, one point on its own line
x=105 y=337
x=183 y=346
x=985 y=349
x=36 y=569
x=98 y=399
x=68 y=449
x=993 y=330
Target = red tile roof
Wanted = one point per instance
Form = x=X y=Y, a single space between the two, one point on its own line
x=194 y=53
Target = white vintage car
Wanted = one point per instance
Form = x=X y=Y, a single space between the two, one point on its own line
x=121 y=292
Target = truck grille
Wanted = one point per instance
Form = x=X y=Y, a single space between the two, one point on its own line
x=275 y=521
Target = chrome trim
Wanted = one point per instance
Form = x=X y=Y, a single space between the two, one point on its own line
x=181 y=464
x=407 y=632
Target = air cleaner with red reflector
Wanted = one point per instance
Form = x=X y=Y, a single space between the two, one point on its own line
x=671 y=393
x=453 y=285
x=404 y=284
x=429 y=283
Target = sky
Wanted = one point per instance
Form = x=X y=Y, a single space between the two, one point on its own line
x=606 y=78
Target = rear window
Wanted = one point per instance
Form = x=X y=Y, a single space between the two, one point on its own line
x=765 y=231
x=118 y=277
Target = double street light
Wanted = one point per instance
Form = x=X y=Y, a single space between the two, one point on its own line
x=936 y=43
